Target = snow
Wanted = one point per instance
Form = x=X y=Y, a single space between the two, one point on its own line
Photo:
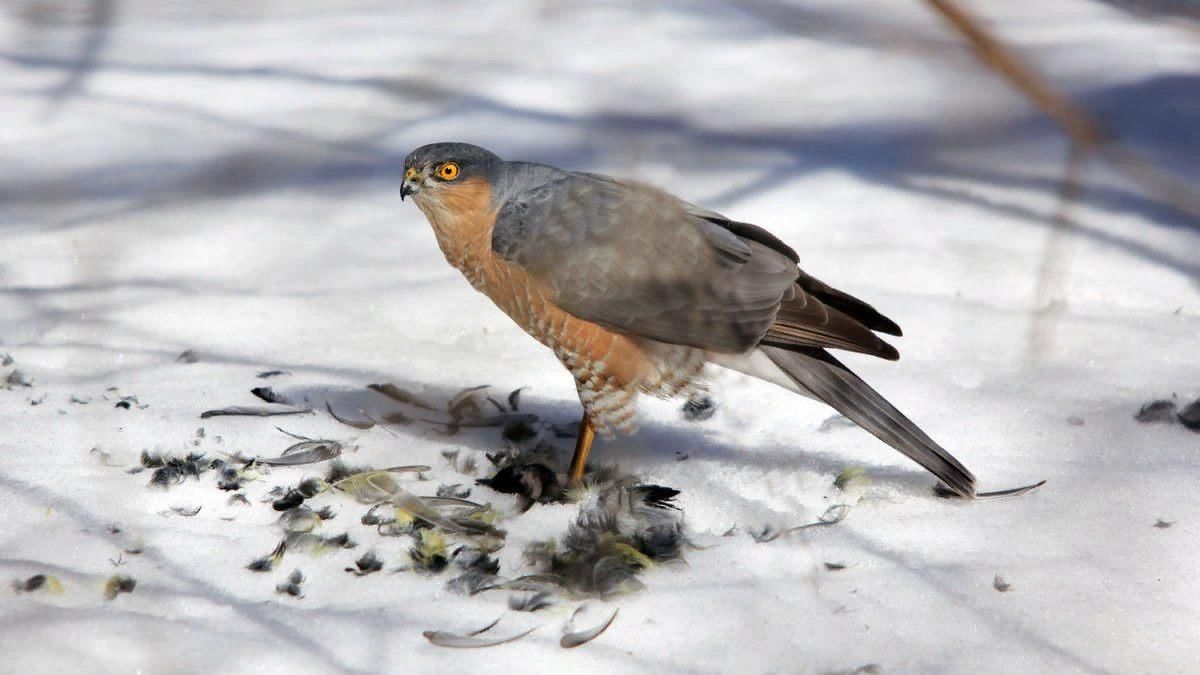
x=223 y=177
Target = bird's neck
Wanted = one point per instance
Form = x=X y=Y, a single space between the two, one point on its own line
x=463 y=234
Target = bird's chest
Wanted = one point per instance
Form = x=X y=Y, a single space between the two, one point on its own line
x=609 y=368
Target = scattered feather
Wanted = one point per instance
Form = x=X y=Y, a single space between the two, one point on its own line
x=31 y=584
x=472 y=582
x=117 y=584
x=187 y=356
x=471 y=640
x=622 y=528
x=45 y=582
x=268 y=395
x=185 y=511
x=101 y=456
x=367 y=487
x=1161 y=411
x=514 y=399
x=377 y=486
x=267 y=563
x=289 y=434
x=1190 y=415
x=17 y=379
x=339 y=470
x=574 y=639
x=655 y=496
x=398 y=418
x=305 y=452
x=534 y=482
x=230 y=477
x=468 y=403
x=342 y=540
x=237 y=498
x=1163 y=524
x=271 y=373
x=472 y=558
x=6 y=360
x=835 y=422
x=456 y=490
x=372 y=517
x=311 y=487
x=529 y=602
x=661 y=541
x=290 y=500
x=397 y=394
x=465 y=464
x=832 y=515
x=253 y=411
x=867 y=669
x=764 y=534
x=129 y=402
x=292 y=585
x=299 y=519
x=173 y=469
x=368 y=563
x=429 y=554
x=1075 y=421
x=699 y=408
x=350 y=423
x=835 y=566
x=1000 y=584
x=529 y=582
x=519 y=430
x=851 y=476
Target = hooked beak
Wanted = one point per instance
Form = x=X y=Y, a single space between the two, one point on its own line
x=410 y=183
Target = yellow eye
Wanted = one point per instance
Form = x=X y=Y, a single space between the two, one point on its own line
x=448 y=171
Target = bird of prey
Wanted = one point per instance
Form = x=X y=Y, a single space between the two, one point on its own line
x=636 y=290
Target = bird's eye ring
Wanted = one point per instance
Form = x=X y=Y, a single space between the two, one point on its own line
x=448 y=171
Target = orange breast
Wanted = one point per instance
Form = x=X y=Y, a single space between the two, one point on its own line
x=609 y=368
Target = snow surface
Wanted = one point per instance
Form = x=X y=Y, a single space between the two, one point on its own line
x=223 y=176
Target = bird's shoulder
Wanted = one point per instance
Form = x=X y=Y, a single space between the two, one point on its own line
x=541 y=210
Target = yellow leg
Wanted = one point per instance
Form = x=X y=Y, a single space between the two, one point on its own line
x=583 y=445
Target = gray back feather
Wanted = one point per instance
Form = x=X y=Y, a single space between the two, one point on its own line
x=637 y=260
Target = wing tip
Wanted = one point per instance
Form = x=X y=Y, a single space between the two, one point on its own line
x=887 y=351
x=886 y=325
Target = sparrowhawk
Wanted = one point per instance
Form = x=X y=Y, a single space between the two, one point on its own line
x=636 y=291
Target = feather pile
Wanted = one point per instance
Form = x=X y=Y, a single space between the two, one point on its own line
x=623 y=528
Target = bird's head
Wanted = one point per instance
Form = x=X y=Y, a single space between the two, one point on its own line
x=439 y=174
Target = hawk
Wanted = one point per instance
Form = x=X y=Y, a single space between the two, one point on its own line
x=636 y=291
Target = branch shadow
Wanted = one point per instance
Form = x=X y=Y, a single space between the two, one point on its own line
x=255 y=612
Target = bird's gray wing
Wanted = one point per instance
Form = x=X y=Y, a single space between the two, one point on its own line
x=639 y=261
